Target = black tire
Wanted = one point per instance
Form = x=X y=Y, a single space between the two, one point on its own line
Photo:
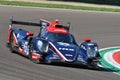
x=11 y=45
x=48 y=62
x=31 y=48
x=93 y=64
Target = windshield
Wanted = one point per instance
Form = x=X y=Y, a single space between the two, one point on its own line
x=57 y=37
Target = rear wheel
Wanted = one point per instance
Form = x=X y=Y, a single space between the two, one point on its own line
x=31 y=49
x=11 y=45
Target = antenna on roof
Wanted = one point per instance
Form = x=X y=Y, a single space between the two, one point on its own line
x=69 y=25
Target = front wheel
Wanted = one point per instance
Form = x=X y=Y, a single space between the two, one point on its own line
x=92 y=63
x=31 y=49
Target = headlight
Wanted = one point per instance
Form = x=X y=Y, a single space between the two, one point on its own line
x=92 y=51
x=42 y=46
x=96 y=48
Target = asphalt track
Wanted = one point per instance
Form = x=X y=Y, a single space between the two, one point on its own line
x=102 y=27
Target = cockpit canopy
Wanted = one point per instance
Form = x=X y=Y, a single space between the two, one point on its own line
x=58 y=37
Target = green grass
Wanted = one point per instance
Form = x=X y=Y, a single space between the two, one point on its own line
x=31 y=4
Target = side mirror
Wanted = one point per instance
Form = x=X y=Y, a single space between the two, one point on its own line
x=87 y=40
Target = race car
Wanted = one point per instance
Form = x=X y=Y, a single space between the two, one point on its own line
x=54 y=43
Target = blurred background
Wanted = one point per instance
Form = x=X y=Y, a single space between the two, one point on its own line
x=108 y=2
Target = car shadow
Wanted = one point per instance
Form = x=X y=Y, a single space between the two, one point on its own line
x=78 y=66
x=70 y=65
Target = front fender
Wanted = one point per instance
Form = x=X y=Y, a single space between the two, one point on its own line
x=82 y=56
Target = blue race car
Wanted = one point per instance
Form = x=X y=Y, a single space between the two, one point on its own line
x=54 y=43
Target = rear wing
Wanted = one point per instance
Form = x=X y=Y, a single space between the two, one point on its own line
x=42 y=23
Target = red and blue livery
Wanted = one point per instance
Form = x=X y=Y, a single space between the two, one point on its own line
x=54 y=43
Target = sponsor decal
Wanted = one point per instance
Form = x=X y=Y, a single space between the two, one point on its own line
x=66 y=49
x=90 y=44
x=20 y=36
x=83 y=47
x=15 y=39
x=70 y=55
